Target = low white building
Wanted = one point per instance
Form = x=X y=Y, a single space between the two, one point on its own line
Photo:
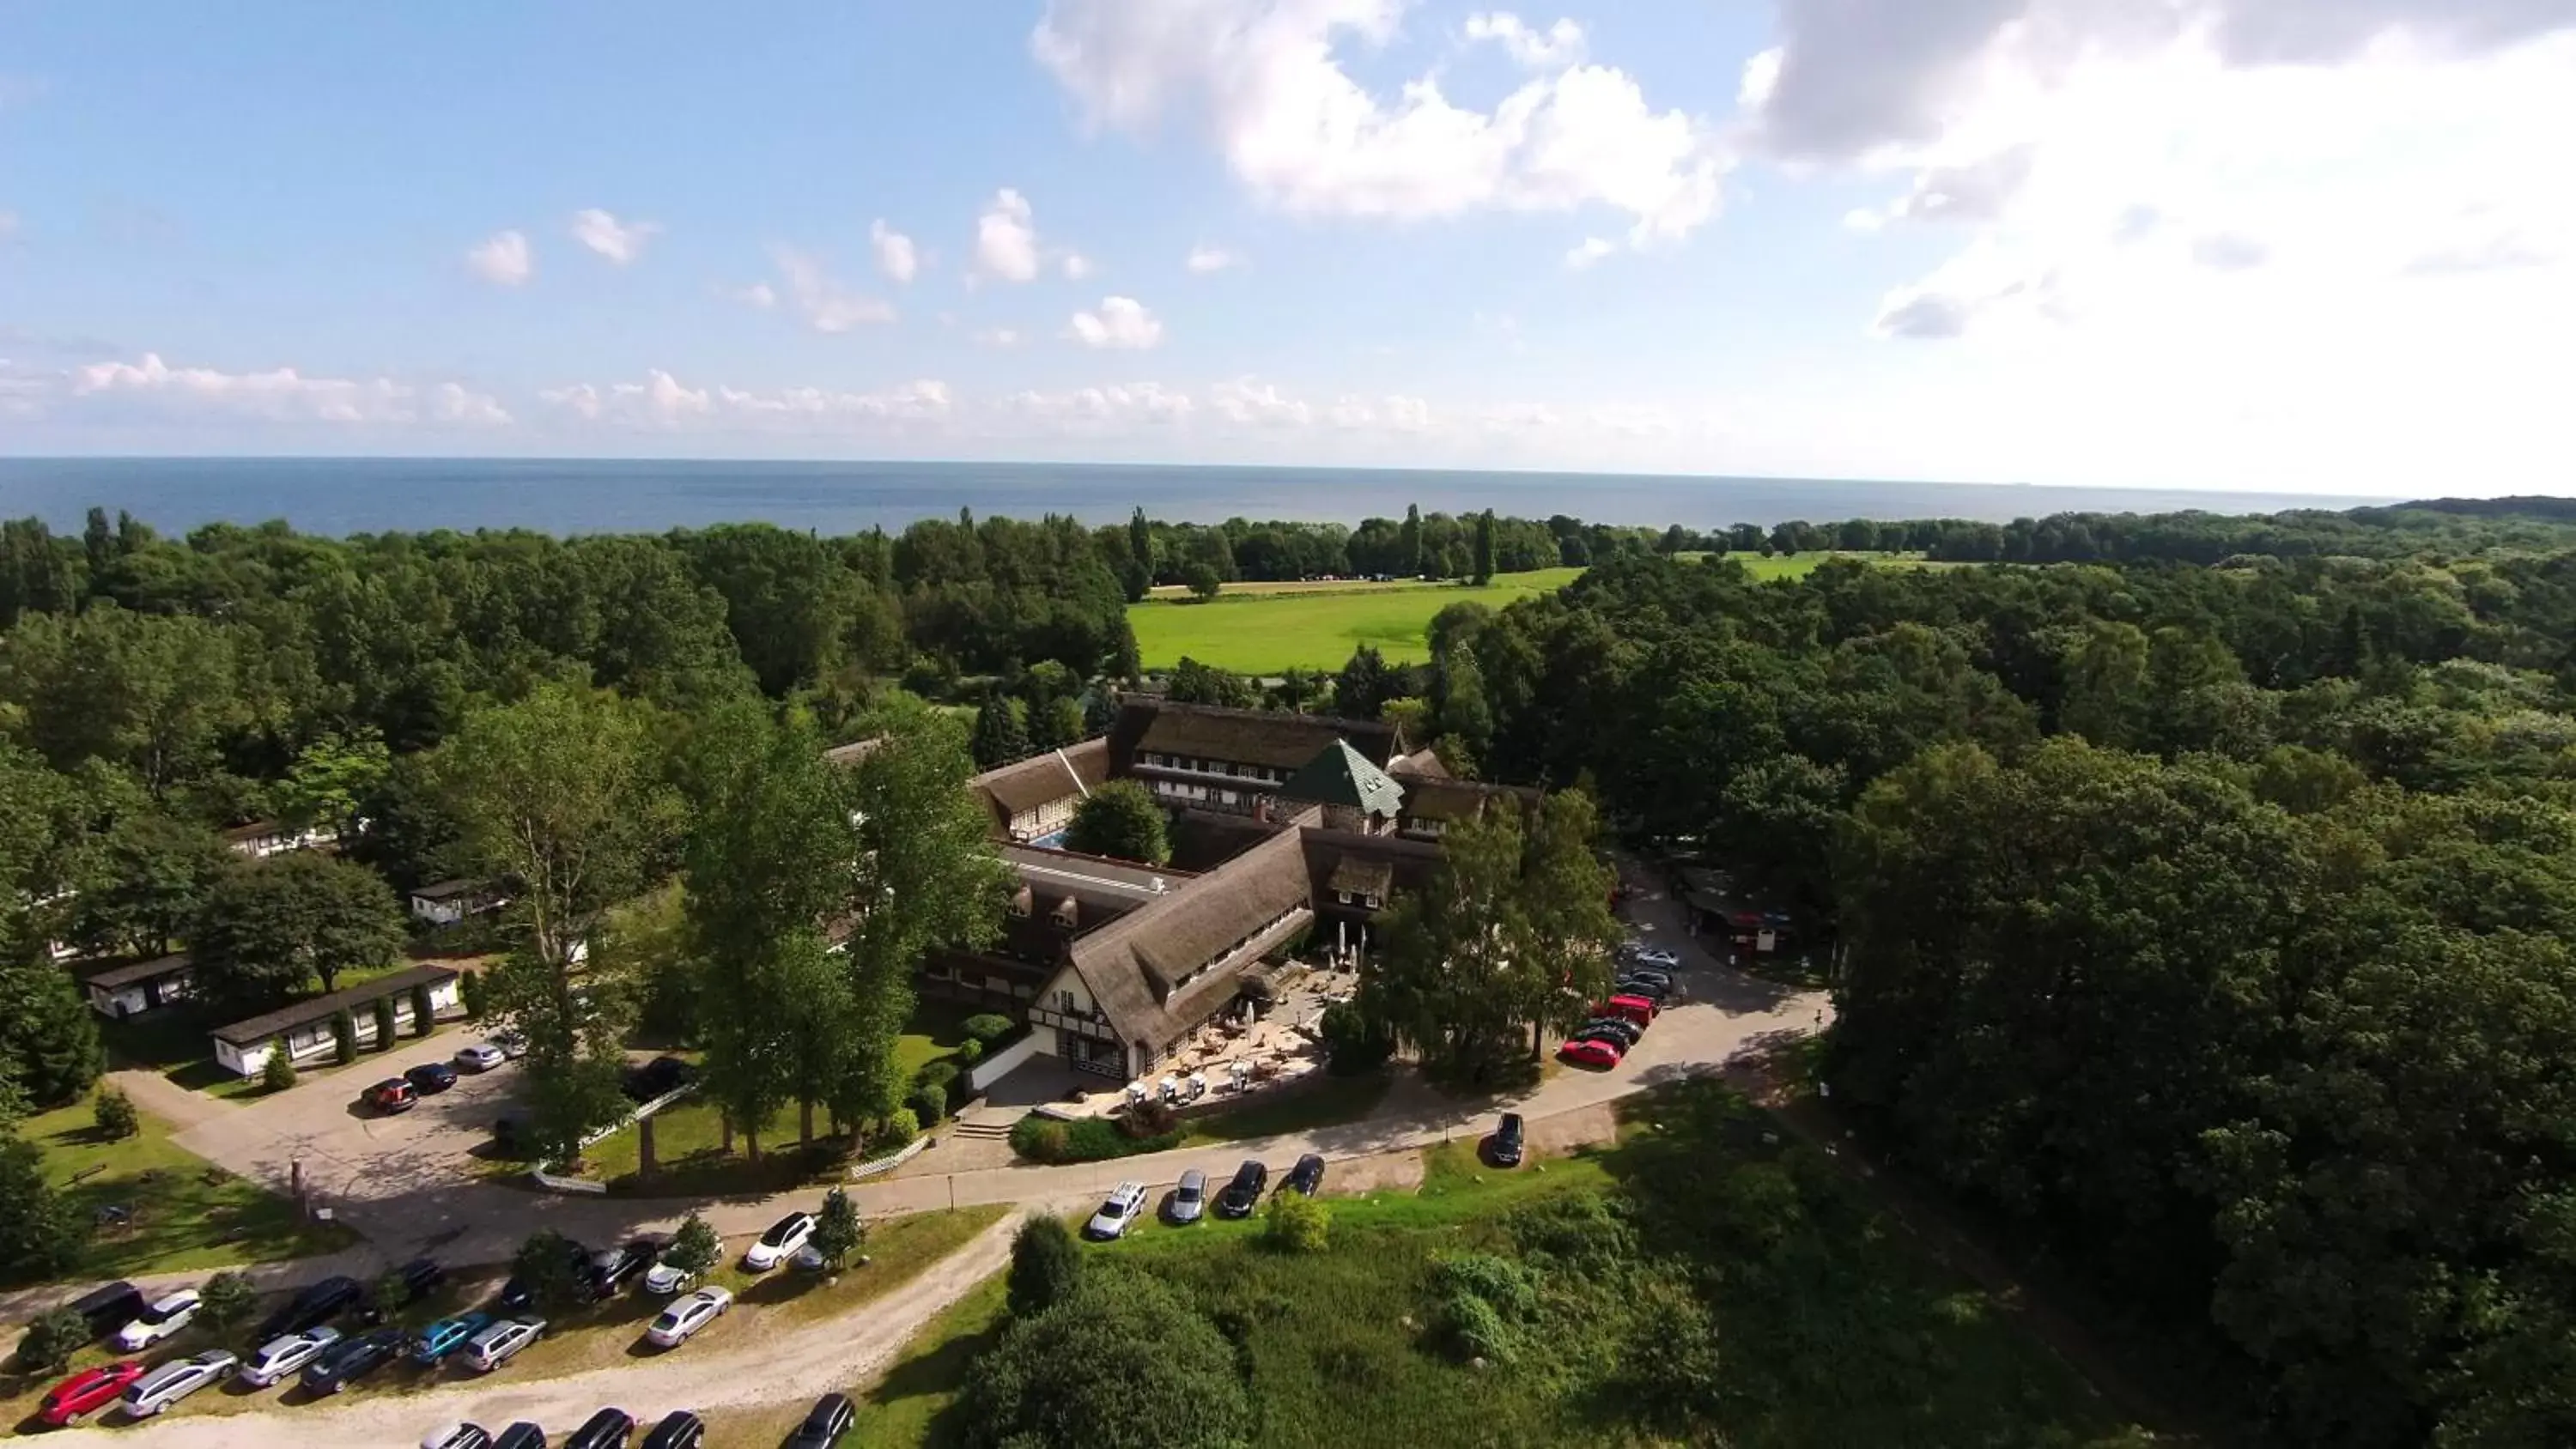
x=303 y=1030
x=131 y=988
x=449 y=902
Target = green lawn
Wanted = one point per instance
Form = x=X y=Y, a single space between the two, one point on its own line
x=184 y=1212
x=1817 y=1321
x=1268 y=628
x=1341 y=1099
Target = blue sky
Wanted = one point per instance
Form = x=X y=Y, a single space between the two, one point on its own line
x=2257 y=243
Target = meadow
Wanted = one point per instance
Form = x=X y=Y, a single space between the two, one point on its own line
x=1267 y=628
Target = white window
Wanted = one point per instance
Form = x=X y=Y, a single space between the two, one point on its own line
x=1369 y=901
x=1064 y=1001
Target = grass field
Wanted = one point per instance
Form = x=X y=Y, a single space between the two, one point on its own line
x=183 y=1212
x=1817 y=1322
x=1266 y=628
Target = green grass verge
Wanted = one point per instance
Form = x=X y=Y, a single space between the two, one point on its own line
x=1338 y=1100
x=184 y=1212
x=916 y=1401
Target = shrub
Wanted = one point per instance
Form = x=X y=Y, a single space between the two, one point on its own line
x=930 y=1104
x=1085 y=1139
x=1123 y=1360
x=114 y=1114
x=1040 y=1139
x=384 y=1013
x=278 y=1072
x=695 y=1247
x=388 y=1294
x=344 y=1037
x=1475 y=1327
x=1148 y=1118
x=546 y=1264
x=1046 y=1266
x=838 y=1230
x=228 y=1298
x=424 y=1012
x=901 y=1126
x=470 y=990
x=1499 y=1281
x=936 y=1074
x=1296 y=1223
x=41 y=1232
x=969 y=1052
x=51 y=1341
x=988 y=1027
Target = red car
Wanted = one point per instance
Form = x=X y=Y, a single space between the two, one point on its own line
x=392 y=1095
x=1601 y=1054
x=87 y=1392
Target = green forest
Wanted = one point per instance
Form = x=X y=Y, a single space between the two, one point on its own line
x=2200 y=891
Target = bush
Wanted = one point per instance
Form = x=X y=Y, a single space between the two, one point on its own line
x=1046 y=1266
x=930 y=1104
x=51 y=1341
x=1042 y=1139
x=1476 y=1327
x=838 y=1231
x=1498 y=1281
x=1123 y=1360
x=41 y=1233
x=1296 y=1223
x=695 y=1247
x=988 y=1027
x=278 y=1072
x=114 y=1114
x=936 y=1074
x=228 y=1298
x=424 y=1012
x=546 y=1263
x=969 y=1052
x=1149 y=1118
x=470 y=990
x=344 y=1037
x=1352 y=1043
x=901 y=1126
x=384 y=1013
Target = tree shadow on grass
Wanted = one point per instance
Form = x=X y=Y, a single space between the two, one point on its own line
x=940 y=1372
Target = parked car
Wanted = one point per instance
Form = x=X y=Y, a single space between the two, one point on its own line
x=392 y=1095
x=607 y=1429
x=284 y=1354
x=1306 y=1177
x=665 y=1278
x=420 y=1278
x=156 y=1391
x=679 y=1429
x=610 y=1269
x=483 y=1056
x=87 y=1392
x=160 y=1318
x=109 y=1307
x=457 y=1436
x=518 y=1295
x=656 y=1078
x=1619 y=1031
x=1635 y=1008
x=513 y=1043
x=784 y=1237
x=431 y=1078
x=1117 y=1211
x=1244 y=1193
x=521 y=1435
x=1590 y=1052
x=824 y=1424
x=1505 y=1150
x=1189 y=1199
x=681 y=1321
x=501 y=1342
x=1655 y=988
x=447 y=1335
x=311 y=1308
x=1655 y=957
x=352 y=1359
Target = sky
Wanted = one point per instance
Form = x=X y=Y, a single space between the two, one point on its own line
x=2282 y=245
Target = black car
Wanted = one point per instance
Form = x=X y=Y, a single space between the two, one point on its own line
x=109 y=1308
x=420 y=1277
x=521 y=1435
x=1306 y=1177
x=657 y=1077
x=1617 y=1029
x=679 y=1429
x=518 y=1296
x=1506 y=1149
x=1242 y=1194
x=610 y=1269
x=431 y=1078
x=353 y=1358
x=1653 y=988
x=607 y=1429
x=824 y=1425
x=311 y=1308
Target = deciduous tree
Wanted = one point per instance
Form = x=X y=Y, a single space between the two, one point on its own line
x=1122 y=819
x=269 y=926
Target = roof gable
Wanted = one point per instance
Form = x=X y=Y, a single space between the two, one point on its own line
x=1342 y=776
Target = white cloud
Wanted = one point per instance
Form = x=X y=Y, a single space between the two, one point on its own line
x=998 y=337
x=1076 y=266
x=503 y=258
x=1141 y=402
x=1250 y=400
x=1560 y=44
x=619 y=241
x=662 y=401
x=281 y=394
x=1591 y=249
x=896 y=257
x=1395 y=412
x=1006 y=239
x=1120 y=322
x=824 y=303
x=759 y=296
x=1262 y=78
x=1204 y=259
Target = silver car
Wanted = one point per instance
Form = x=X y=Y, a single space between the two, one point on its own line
x=1189 y=1199
x=156 y=1391
x=496 y=1345
x=283 y=1355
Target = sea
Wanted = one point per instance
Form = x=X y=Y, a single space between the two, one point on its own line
x=339 y=496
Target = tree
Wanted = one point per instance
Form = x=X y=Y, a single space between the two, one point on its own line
x=1000 y=737
x=1463 y=710
x=1196 y=683
x=382 y=1008
x=344 y=1038
x=269 y=926
x=276 y=1071
x=424 y=1012
x=838 y=1230
x=1119 y=819
x=1046 y=1265
x=695 y=1248
x=1202 y=580
x=51 y=1339
x=333 y=778
x=472 y=994
x=1121 y=1363
x=112 y=1112
x=1364 y=685
x=1408 y=545
x=1099 y=711
x=48 y=1035
x=1443 y=977
x=388 y=1294
x=227 y=1300
x=151 y=879
x=1296 y=1223
x=548 y=1264
x=1484 y=548
x=1563 y=930
x=157 y=695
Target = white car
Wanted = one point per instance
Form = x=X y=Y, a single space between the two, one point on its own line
x=664 y=1279
x=1125 y=1201
x=457 y=1436
x=501 y=1342
x=782 y=1240
x=513 y=1044
x=283 y=1355
x=166 y=1316
x=1654 y=958
x=156 y=1391
x=683 y=1319
x=483 y=1056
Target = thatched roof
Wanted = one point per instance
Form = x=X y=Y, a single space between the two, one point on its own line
x=1340 y=775
x=1389 y=863
x=1273 y=738
x=1453 y=800
x=1361 y=876
x=1043 y=779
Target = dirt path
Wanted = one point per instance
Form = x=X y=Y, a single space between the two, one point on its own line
x=838 y=1352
